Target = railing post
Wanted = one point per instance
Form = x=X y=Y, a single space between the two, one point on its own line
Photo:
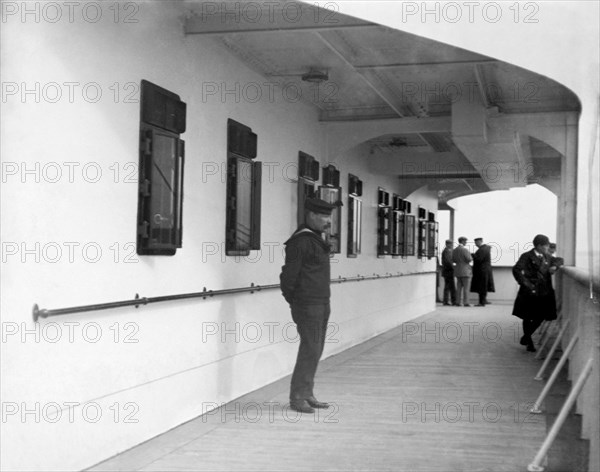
x=555 y=372
x=544 y=330
x=560 y=419
x=551 y=352
x=551 y=326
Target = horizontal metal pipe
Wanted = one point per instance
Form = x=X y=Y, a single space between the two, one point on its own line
x=45 y=313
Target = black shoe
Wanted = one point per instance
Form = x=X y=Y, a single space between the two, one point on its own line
x=312 y=401
x=446 y=304
x=456 y=304
x=524 y=341
x=301 y=406
x=530 y=348
x=466 y=304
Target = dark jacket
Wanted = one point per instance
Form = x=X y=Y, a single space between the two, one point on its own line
x=305 y=277
x=447 y=265
x=535 y=299
x=483 y=279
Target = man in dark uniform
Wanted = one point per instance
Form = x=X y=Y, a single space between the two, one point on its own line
x=305 y=279
x=483 y=279
x=535 y=301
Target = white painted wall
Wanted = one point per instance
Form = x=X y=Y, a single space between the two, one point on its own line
x=80 y=388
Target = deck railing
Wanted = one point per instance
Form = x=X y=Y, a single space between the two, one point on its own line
x=579 y=302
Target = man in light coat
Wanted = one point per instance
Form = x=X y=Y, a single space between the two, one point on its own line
x=462 y=271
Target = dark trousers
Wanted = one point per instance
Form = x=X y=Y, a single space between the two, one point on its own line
x=311 y=323
x=529 y=327
x=449 y=289
x=482 y=297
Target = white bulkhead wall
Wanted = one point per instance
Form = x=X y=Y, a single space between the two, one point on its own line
x=78 y=389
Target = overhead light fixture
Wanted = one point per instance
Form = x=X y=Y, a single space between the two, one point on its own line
x=315 y=76
x=398 y=142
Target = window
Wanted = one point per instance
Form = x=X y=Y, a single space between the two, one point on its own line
x=409 y=230
x=422 y=238
x=384 y=223
x=308 y=174
x=410 y=235
x=428 y=234
x=331 y=192
x=160 y=183
x=354 y=215
x=432 y=236
x=398 y=230
x=242 y=228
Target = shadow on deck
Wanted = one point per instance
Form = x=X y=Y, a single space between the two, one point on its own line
x=449 y=391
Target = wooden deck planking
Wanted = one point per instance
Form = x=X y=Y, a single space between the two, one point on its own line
x=398 y=403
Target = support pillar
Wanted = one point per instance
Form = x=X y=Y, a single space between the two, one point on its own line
x=567 y=201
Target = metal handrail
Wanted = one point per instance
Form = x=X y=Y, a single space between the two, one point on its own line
x=137 y=301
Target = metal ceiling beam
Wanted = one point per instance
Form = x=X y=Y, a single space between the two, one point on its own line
x=217 y=18
x=195 y=27
x=481 y=85
x=421 y=64
x=442 y=175
x=379 y=88
x=525 y=163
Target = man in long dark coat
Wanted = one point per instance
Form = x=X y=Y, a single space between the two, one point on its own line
x=483 y=278
x=535 y=301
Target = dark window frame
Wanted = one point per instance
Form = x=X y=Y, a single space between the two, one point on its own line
x=244 y=187
x=409 y=238
x=354 y=240
x=161 y=167
x=331 y=192
x=384 y=223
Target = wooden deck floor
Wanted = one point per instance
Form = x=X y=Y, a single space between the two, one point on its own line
x=449 y=391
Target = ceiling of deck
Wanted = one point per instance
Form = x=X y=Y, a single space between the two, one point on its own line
x=377 y=73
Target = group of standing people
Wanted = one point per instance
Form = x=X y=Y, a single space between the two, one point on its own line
x=533 y=272
x=478 y=278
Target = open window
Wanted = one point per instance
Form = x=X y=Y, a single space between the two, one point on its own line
x=243 y=191
x=398 y=230
x=160 y=183
x=409 y=230
x=432 y=235
x=331 y=192
x=384 y=223
x=422 y=233
x=355 y=189
x=308 y=174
